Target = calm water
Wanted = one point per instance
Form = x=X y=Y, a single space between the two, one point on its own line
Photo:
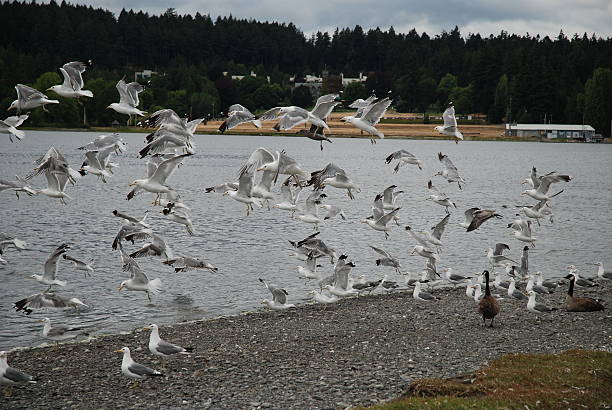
x=246 y=248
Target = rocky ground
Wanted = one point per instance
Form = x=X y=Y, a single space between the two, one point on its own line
x=359 y=351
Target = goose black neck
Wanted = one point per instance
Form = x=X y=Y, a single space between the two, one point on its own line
x=487 y=290
x=571 y=287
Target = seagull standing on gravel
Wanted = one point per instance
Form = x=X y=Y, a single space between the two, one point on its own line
x=534 y=307
x=514 y=292
x=418 y=294
x=9 y=375
x=601 y=273
x=135 y=370
x=160 y=347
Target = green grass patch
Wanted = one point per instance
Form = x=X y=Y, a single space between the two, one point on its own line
x=572 y=379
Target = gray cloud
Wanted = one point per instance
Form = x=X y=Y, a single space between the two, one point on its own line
x=544 y=17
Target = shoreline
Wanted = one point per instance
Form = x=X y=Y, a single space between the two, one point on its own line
x=256 y=133
x=359 y=351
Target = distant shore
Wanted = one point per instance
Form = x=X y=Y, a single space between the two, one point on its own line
x=258 y=132
x=358 y=352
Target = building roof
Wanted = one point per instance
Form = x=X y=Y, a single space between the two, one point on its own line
x=550 y=127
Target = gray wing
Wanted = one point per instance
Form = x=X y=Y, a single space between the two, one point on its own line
x=292 y=119
x=50 y=269
x=16 y=376
x=271 y=114
x=25 y=93
x=168 y=348
x=237 y=107
x=499 y=248
x=427 y=296
x=245 y=184
x=374 y=112
x=16 y=120
x=549 y=179
x=259 y=157
x=386 y=218
x=382 y=252
x=331 y=170
x=438 y=230
x=284 y=162
x=449 y=117
x=133 y=89
x=388 y=194
x=236 y=118
x=75 y=69
x=165 y=169
x=448 y=164
x=140 y=370
x=377 y=208
x=324 y=109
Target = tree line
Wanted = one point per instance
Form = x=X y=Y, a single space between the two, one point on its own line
x=523 y=78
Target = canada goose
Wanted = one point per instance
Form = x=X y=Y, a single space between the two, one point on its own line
x=582 y=304
x=488 y=306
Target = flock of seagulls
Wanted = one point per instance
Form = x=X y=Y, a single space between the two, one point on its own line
x=302 y=195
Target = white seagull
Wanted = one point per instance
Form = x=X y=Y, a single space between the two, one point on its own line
x=138 y=280
x=49 y=276
x=160 y=347
x=10 y=124
x=29 y=98
x=450 y=124
x=404 y=157
x=128 y=98
x=279 y=298
x=73 y=81
x=135 y=370
x=370 y=116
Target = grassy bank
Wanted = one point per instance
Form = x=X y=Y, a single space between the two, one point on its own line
x=572 y=379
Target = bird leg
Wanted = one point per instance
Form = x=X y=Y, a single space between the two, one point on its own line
x=248 y=209
x=149 y=297
x=386 y=235
x=491 y=325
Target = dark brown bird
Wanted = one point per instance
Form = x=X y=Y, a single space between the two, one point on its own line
x=488 y=306
x=479 y=217
x=580 y=304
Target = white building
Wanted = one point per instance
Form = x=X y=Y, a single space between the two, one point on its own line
x=144 y=74
x=551 y=131
x=347 y=80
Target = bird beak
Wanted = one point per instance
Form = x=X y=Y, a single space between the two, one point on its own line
x=119 y=351
x=120 y=287
x=107 y=107
x=146 y=328
x=413 y=251
x=226 y=193
x=48 y=89
x=132 y=184
x=259 y=169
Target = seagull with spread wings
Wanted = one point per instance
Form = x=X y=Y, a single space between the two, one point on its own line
x=156 y=182
x=10 y=124
x=370 y=116
x=29 y=98
x=404 y=157
x=238 y=114
x=138 y=281
x=49 y=276
x=128 y=99
x=279 y=297
x=334 y=176
x=450 y=125
x=73 y=84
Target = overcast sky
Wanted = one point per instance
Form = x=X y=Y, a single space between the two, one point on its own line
x=544 y=17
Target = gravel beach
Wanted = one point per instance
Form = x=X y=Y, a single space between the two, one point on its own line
x=359 y=351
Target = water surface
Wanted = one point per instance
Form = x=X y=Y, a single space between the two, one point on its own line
x=246 y=248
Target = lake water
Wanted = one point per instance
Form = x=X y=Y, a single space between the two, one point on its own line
x=246 y=248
